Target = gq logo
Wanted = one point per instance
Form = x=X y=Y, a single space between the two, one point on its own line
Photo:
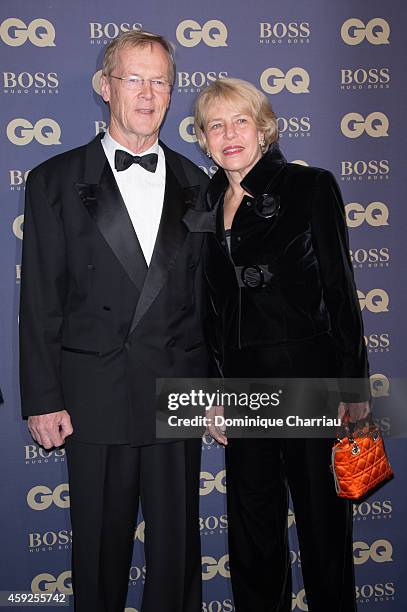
x=96 y=81
x=379 y=385
x=290 y=518
x=211 y=567
x=18 y=227
x=375 y=125
x=139 y=532
x=375 y=214
x=40 y=32
x=42 y=497
x=380 y=552
x=186 y=130
x=300 y=601
x=47 y=583
x=214 y=33
x=296 y=80
x=376 y=31
x=209 y=482
x=21 y=132
x=375 y=300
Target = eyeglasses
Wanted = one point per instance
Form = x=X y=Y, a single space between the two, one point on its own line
x=136 y=83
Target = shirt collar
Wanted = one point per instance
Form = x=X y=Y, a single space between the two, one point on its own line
x=110 y=146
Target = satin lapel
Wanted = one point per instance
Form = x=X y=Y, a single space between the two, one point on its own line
x=170 y=238
x=105 y=205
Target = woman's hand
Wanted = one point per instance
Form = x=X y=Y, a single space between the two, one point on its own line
x=216 y=431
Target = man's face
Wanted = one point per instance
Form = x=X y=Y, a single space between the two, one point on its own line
x=136 y=115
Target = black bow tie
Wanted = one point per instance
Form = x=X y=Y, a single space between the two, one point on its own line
x=123 y=160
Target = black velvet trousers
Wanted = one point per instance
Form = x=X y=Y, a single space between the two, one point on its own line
x=260 y=473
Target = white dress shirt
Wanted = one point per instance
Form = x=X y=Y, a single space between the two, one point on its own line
x=142 y=193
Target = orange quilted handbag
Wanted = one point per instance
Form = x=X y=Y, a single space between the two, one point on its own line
x=360 y=464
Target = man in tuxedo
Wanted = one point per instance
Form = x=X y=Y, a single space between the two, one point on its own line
x=111 y=300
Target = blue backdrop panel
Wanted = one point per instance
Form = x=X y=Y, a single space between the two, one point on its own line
x=334 y=73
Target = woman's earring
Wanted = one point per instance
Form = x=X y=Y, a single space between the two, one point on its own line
x=207 y=153
x=262 y=144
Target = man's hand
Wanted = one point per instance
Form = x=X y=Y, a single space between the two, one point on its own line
x=51 y=429
x=217 y=432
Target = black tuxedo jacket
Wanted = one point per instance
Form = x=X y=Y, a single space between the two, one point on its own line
x=288 y=277
x=97 y=326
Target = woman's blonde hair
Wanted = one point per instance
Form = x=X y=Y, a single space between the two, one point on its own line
x=247 y=97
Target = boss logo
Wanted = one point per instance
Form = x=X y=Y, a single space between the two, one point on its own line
x=42 y=497
x=110 y=30
x=213 y=33
x=277 y=32
x=139 y=531
x=370 y=256
x=380 y=551
x=47 y=583
x=375 y=510
x=40 y=32
x=372 y=77
x=18 y=225
x=50 y=539
x=300 y=601
x=375 y=300
x=18 y=273
x=27 y=80
x=296 y=80
x=379 y=591
x=375 y=125
x=211 y=567
x=375 y=214
x=218 y=606
x=209 y=482
x=186 y=130
x=212 y=523
x=376 y=31
x=100 y=126
x=137 y=573
x=290 y=518
x=295 y=557
x=21 y=132
x=360 y=169
x=294 y=126
x=377 y=342
x=379 y=385
x=36 y=452
x=197 y=80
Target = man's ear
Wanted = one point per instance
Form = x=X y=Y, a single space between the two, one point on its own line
x=105 y=88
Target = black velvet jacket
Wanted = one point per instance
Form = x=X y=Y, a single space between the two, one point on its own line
x=288 y=275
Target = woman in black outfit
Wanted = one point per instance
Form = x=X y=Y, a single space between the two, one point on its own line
x=284 y=305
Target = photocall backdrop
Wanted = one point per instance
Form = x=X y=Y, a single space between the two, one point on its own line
x=334 y=73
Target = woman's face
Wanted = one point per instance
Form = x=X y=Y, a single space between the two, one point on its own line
x=232 y=137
